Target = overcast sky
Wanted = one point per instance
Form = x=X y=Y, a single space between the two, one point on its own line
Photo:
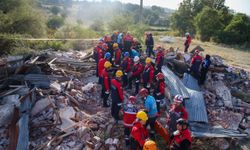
x=237 y=5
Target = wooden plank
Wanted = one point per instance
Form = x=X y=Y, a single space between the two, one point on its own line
x=13 y=131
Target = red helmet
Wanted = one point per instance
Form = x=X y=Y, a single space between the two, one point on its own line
x=197 y=51
x=143 y=92
x=132 y=99
x=160 y=76
x=105 y=46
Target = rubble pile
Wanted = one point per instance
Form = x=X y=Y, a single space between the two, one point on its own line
x=225 y=108
x=66 y=112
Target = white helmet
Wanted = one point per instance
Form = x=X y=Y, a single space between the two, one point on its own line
x=187 y=34
x=136 y=59
x=178 y=98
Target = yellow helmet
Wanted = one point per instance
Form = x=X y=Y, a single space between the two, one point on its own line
x=107 y=64
x=115 y=45
x=119 y=73
x=149 y=145
x=148 y=60
x=142 y=116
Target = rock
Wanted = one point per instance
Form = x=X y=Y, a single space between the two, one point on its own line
x=223 y=93
x=96 y=139
x=116 y=143
x=41 y=105
x=222 y=144
x=73 y=92
x=11 y=99
x=90 y=87
x=6 y=113
x=56 y=86
x=109 y=142
x=65 y=114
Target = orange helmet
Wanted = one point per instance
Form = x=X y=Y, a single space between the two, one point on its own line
x=160 y=76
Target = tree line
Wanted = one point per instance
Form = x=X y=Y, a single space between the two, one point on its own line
x=211 y=20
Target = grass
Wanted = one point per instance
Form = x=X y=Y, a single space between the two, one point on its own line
x=233 y=56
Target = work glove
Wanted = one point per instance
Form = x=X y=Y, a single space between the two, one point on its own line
x=177 y=132
x=148 y=85
x=107 y=92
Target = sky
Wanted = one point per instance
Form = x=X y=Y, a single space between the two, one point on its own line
x=242 y=6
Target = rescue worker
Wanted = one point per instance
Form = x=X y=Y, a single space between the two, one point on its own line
x=136 y=74
x=127 y=42
x=116 y=95
x=118 y=54
x=106 y=82
x=149 y=42
x=204 y=69
x=176 y=112
x=129 y=116
x=187 y=42
x=159 y=91
x=98 y=54
x=114 y=36
x=120 y=40
x=159 y=58
x=148 y=74
x=150 y=108
x=101 y=65
x=139 y=133
x=150 y=145
x=137 y=46
x=126 y=68
x=195 y=64
x=181 y=138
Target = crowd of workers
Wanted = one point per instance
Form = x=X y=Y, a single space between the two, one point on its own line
x=121 y=64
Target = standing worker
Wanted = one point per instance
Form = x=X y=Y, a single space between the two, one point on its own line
x=118 y=54
x=150 y=109
x=187 y=42
x=159 y=90
x=150 y=44
x=106 y=82
x=148 y=74
x=159 y=58
x=126 y=67
x=204 y=69
x=136 y=74
x=181 y=138
x=116 y=95
x=195 y=64
x=139 y=133
x=101 y=65
x=129 y=116
x=127 y=42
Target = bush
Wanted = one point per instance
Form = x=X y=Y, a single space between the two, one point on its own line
x=120 y=23
x=55 y=22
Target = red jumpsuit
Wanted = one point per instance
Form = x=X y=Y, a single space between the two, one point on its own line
x=181 y=141
x=147 y=75
x=159 y=93
x=126 y=67
x=159 y=60
x=139 y=134
x=105 y=87
x=182 y=112
x=118 y=53
x=101 y=66
x=117 y=98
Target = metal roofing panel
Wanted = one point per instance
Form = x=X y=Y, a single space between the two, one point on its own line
x=190 y=82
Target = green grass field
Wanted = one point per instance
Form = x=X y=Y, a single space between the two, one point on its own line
x=235 y=57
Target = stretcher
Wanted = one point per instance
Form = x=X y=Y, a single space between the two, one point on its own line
x=162 y=131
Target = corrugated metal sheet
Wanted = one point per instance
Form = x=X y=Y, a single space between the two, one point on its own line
x=190 y=82
x=195 y=105
x=174 y=83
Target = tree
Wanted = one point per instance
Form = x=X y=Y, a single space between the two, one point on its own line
x=55 y=22
x=208 y=23
x=55 y=10
x=97 y=25
x=120 y=23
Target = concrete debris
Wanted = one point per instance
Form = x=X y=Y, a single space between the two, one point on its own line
x=223 y=93
x=6 y=113
x=41 y=105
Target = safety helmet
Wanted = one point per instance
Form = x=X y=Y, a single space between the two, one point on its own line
x=149 y=145
x=107 y=55
x=143 y=92
x=178 y=98
x=182 y=121
x=187 y=34
x=126 y=54
x=197 y=51
x=136 y=59
x=107 y=64
x=105 y=46
x=115 y=45
x=132 y=99
x=100 y=43
x=119 y=73
x=160 y=76
x=148 y=60
x=142 y=116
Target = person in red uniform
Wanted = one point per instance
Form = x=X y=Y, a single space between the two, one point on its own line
x=136 y=74
x=129 y=116
x=159 y=91
x=195 y=64
x=127 y=42
x=159 y=58
x=126 y=68
x=116 y=95
x=176 y=112
x=187 y=42
x=139 y=134
x=101 y=65
x=181 y=138
x=118 y=54
x=106 y=82
x=148 y=74
x=98 y=54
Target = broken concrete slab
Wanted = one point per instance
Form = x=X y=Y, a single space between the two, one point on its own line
x=41 y=105
x=223 y=93
x=66 y=114
x=11 y=99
